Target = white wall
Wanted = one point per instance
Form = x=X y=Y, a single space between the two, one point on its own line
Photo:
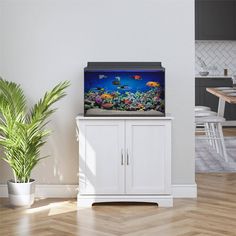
x=46 y=41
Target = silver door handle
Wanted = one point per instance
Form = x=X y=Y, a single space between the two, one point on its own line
x=122 y=157
x=127 y=157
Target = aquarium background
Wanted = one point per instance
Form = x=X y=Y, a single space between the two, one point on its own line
x=124 y=91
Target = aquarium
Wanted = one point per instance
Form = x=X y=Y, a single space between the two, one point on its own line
x=124 y=88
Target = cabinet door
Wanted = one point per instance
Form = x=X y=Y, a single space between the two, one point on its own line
x=207 y=99
x=101 y=144
x=148 y=154
x=197 y=92
x=203 y=98
x=215 y=19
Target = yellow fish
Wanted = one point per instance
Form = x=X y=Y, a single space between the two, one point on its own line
x=106 y=96
x=152 y=84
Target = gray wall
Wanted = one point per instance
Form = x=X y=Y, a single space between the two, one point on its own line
x=46 y=41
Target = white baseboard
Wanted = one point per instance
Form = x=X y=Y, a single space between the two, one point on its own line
x=184 y=190
x=56 y=191
x=48 y=191
x=70 y=191
x=3 y=190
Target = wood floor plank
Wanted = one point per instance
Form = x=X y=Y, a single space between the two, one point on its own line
x=213 y=213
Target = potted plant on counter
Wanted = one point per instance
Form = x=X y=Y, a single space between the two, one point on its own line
x=22 y=134
x=204 y=70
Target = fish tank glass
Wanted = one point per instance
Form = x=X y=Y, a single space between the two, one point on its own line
x=124 y=89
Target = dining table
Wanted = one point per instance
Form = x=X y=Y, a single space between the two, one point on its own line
x=225 y=94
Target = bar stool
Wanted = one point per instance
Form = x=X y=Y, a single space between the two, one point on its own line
x=202 y=108
x=205 y=127
x=214 y=132
x=205 y=113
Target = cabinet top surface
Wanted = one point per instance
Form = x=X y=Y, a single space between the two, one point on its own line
x=82 y=117
x=213 y=76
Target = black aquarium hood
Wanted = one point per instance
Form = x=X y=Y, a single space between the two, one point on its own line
x=91 y=66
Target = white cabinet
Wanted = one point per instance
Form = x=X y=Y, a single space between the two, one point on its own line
x=100 y=148
x=148 y=157
x=124 y=159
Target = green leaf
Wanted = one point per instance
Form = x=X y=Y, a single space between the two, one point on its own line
x=23 y=132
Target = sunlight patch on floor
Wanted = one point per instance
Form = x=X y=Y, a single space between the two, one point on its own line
x=54 y=208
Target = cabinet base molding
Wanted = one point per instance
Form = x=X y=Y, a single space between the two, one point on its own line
x=88 y=200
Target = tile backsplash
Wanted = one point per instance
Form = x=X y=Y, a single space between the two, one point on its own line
x=218 y=55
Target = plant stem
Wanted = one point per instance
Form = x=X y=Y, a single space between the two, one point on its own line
x=14 y=174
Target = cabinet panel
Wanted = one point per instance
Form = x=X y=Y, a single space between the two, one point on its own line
x=215 y=82
x=208 y=99
x=197 y=94
x=148 y=157
x=203 y=98
x=101 y=145
x=215 y=19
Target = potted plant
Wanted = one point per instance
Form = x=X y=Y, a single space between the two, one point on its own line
x=204 y=70
x=22 y=133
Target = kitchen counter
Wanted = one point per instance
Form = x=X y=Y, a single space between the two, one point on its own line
x=214 y=76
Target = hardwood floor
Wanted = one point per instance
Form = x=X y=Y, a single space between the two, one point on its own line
x=229 y=131
x=212 y=214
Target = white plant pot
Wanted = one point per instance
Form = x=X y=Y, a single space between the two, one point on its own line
x=21 y=194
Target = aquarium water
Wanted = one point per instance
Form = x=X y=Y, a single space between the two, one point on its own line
x=137 y=90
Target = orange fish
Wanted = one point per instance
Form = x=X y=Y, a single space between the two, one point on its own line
x=152 y=84
x=106 y=96
x=140 y=106
x=127 y=101
x=137 y=77
x=107 y=105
